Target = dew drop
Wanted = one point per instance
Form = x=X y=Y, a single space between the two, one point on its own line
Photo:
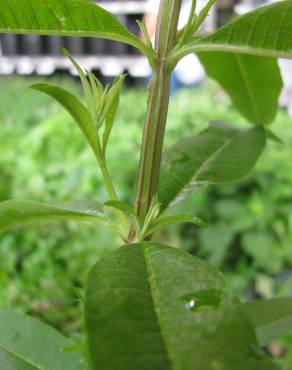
x=191 y=304
x=202 y=298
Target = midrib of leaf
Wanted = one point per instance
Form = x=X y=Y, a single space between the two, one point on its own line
x=103 y=35
x=248 y=89
x=156 y=307
x=72 y=216
x=130 y=39
x=192 y=179
x=64 y=214
x=243 y=49
x=24 y=359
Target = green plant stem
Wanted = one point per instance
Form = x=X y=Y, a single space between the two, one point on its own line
x=153 y=136
x=108 y=183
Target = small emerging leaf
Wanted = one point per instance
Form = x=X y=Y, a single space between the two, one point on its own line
x=111 y=107
x=122 y=206
x=163 y=221
x=204 y=13
x=85 y=84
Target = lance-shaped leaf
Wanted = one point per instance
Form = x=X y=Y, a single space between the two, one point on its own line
x=77 y=111
x=121 y=206
x=16 y=212
x=253 y=83
x=28 y=344
x=217 y=155
x=153 y=307
x=270 y=317
x=111 y=109
x=267 y=31
x=165 y=220
x=64 y=18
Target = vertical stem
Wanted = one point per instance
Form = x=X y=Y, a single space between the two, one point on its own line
x=109 y=184
x=153 y=136
x=108 y=181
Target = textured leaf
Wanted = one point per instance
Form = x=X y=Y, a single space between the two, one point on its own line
x=270 y=317
x=267 y=31
x=28 y=344
x=10 y=362
x=64 y=18
x=217 y=155
x=244 y=78
x=153 y=307
x=78 y=112
x=15 y=212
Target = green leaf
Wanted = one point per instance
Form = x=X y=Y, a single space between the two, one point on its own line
x=204 y=13
x=28 y=344
x=153 y=307
x=89 y=100
x=10 y=362
x=273 y=137
x=122 y=206
x=217 y=155
x=15 y=212
x=78 y=112
x=112 y=104
x=270 y=317
x=267 y=31
x=163 y=221
x=244 y=78
x=64 y=18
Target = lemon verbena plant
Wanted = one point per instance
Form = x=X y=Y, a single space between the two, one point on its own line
x=149 y=306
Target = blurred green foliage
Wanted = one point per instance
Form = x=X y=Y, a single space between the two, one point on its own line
x=43 y=157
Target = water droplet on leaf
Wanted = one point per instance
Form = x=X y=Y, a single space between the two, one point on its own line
x=191 y=304
x=202 y=298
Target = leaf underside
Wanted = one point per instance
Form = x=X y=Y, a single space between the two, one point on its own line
x=253 y=83
x=217 y=155
x=140 y=315
x=64 y=18
x=267 y=31
x=28 y=344
x=17 y=212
